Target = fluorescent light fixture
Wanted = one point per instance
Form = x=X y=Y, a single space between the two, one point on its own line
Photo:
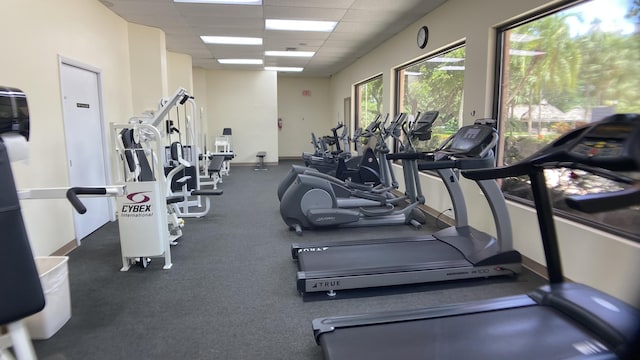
x=450 y=68
x=525 y=52
x=290 y=53
x=224 y=2
x=522 y=37
x=445 y=60
x=280 y=68
x=241 y=61
x=299 y=25
x=231 y=40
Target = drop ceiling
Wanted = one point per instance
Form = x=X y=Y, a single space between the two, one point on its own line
x=362 y=25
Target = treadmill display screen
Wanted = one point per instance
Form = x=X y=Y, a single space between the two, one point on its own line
x=467 y=139
x=616 y=131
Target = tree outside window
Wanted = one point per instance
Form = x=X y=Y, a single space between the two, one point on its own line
x=368 y=100
x=560 y=71
x=434 y=83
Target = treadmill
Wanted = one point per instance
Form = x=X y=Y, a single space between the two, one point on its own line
x=560 y=320
x=457 y=252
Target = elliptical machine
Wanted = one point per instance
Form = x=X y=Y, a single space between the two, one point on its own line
x=311 y=201
x=368 y=176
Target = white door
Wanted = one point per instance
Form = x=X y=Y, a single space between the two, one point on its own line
x=84 y=141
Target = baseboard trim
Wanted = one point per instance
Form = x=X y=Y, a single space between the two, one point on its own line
x=66 y=248
x=535 y=267
x=270 y=163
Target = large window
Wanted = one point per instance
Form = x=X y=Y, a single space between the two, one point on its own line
x=368 y=101
x=434 y=83
x=560 y=70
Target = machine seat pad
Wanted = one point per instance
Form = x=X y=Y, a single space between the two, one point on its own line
x=206 y=192
x=174 y=199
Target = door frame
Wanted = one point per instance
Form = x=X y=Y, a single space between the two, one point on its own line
x=63 y=60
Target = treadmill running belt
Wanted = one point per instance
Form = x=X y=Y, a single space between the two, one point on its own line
x=382 y=255
x=534 y=332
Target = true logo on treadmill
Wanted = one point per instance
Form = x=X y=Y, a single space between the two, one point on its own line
x=326 y=284
x=326 y=218
x=138 y=205
x=313 y=249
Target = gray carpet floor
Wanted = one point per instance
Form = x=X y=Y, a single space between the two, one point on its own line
x=231 y=293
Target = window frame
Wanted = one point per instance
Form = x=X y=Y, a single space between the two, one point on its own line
x=357 y=113
x=399 y=81
x=497 y=113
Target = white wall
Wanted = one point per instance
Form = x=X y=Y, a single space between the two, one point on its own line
x=246 y=102
x=302 y=115
x=606 y=262
x=37 y=32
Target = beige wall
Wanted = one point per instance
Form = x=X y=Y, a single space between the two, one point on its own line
x=598 y=259
x=200 y=94
x=37 y=33
x=148 y=61
x=302 y=115
x=179 y=72
x=246 y=102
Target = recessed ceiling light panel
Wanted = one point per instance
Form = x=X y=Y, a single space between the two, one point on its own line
x=241 y=61
x=281 y=68
x=224 y=2
x=299 y=25
x=290 y=53
x=231 y=40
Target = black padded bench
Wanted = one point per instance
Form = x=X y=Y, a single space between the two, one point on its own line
x=216 y=164
x=261 y=155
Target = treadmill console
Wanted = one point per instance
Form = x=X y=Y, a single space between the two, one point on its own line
x=469 y=148
x=471 y=140
x=609 y=144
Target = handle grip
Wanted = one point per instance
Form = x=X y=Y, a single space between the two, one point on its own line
x=72 y=196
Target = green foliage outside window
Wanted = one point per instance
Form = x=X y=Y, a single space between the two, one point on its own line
x=435 y=83
x=560 y=72
x=369 y=95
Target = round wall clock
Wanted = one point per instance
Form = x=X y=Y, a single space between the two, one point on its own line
x=423 y=37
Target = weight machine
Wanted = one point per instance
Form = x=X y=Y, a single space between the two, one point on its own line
x=182 y=165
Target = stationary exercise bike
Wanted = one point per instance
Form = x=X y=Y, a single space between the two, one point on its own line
x=325 y=160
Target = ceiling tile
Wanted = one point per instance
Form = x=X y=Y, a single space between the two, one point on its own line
x=362 y=25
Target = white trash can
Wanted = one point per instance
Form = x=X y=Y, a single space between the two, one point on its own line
x=54 y=277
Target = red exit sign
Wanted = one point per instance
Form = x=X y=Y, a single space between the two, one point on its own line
x=306 y=92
